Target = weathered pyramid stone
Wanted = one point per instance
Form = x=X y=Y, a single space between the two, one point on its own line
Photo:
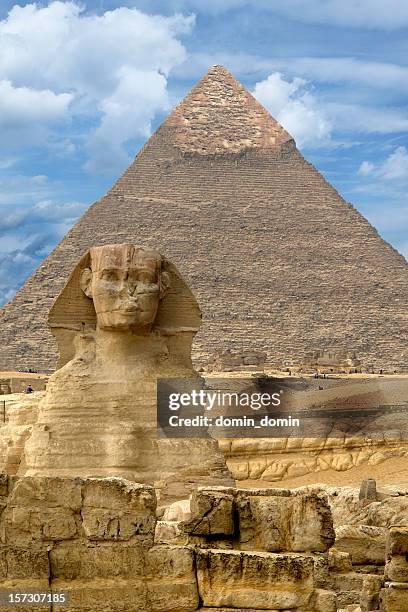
x=277 y=259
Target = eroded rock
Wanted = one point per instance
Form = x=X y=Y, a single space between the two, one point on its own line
x=261 y=580
x=364 y=543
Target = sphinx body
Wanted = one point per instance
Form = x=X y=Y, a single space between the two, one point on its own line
x=125 y=319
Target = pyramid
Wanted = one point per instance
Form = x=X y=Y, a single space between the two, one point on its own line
x=276 y=258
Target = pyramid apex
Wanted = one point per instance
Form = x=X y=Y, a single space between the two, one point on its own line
x=218 y=68
x=220 y=117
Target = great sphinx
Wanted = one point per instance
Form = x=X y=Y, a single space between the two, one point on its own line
x=124 y=319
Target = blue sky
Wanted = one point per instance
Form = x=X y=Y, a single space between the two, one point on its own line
x=82 y=86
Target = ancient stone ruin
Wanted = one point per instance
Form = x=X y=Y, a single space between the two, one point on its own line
x=99 y=541
x=279 y=261
x=242 y=361
x=326 y=361
x=124 y=319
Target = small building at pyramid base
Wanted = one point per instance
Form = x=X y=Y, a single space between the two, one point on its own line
x=279 y=262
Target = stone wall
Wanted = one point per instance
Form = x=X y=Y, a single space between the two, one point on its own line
x=100 y=542
x=395 y=593
x=94 y=539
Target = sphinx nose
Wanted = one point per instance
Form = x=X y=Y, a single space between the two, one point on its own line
x=129 y=288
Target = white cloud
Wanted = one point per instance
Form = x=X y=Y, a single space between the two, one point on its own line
x=393 y=168
x=296 y=108
x=111 y=67
x=366 y=168
x=22 y=103
x=122 y=118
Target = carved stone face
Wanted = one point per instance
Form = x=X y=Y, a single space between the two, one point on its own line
x=126 y=284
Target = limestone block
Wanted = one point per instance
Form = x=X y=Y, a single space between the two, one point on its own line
x=239 y=468
x=300 y=468
x=22 y=563
x=348 y=581
x=389 y=512
x=277 y=523
x=276 y=470
x=311 y=523
x=397 y=541
x=114 y=493
x=339 y=561
x=256 y=467
x=395 y=597
x=167 y=532
x=321 y=571
x=324 y=601
x=259 y=580
x=47 y=492
x=171 y=578
x=116 y=509
x=364 y=543
x=105 y=595
x=396 y=568
x=178 y=511
x=22 y=570
x=41 y=509
x=25 y=525
x=370 y=593
x=79 y=561
x=348 y=586
x=211 y=513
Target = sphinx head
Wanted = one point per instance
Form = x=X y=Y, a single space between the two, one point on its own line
x=126 y=284
x=127 y=288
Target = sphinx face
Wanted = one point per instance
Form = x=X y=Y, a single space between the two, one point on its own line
x=126 y=285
